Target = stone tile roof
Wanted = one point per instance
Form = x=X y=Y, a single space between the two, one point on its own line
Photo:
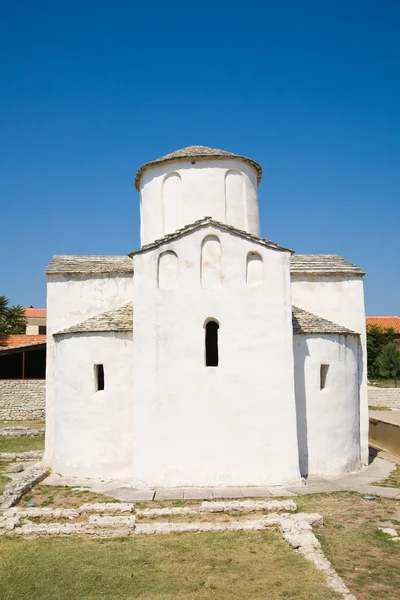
x=205 y=223
x=305 y=322
x=385 y=322
x=66 y=264
x=198 y=153
x=117 y=319
x=322 y=264
x=17 y=340
x=121 y=319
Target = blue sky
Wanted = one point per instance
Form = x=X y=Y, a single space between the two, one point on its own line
x=90 y=91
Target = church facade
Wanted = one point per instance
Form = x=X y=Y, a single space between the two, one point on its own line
x=210 y=356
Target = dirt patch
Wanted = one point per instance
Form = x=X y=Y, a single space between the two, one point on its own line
x=30 y=424
x=203 y=517
x=366 y=558
x=55 y=496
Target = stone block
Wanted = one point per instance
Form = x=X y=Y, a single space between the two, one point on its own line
x=389 y=531
x=126 y=494
x=244 y=506
x=162 y=512
x=280 y=491
x=108 y=507
x=169 y=494
x=17 y=468
x=375 y=490
x=255 y=492
x=103 y=522
x=317 y=488
x=229 y=492
x=198 y=494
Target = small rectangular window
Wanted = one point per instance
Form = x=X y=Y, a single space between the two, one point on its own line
x=42 y=329
x=323 y=376
x=212 y=344
x=98 y=378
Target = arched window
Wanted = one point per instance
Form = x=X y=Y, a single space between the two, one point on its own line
x=211 y=344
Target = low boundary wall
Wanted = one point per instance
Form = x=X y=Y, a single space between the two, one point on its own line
x=389 y=397
x=22 y=399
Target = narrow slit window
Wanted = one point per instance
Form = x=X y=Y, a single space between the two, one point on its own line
x=323 y=376
x=212 y=344
x=99 y=377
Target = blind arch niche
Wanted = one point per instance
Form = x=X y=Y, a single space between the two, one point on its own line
x=172 y=203
x=168 y=271
x=235 y=201
x=254 y=269
x=211 y=254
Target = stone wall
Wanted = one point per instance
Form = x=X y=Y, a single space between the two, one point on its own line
x=388 y=397
x=22 y=399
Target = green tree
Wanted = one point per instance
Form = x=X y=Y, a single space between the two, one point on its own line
x=388 y=362
x=377 y=338
x=12 y=318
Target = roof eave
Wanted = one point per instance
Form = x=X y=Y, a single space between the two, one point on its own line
x=110 y=272
x=337 y=272
x=87 y=331
x=320 y=333
x=24 y=348
x=157 y=162
x=208 y=222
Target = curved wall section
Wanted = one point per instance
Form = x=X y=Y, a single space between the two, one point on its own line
x=254 y=269
x=168 y=271
x=235 y=200
x=211 y=254
x=172 y=203
x=176 y=194
x=328 y=411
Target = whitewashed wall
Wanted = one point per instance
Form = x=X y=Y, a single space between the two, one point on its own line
x=234 y=424
x=175 y=194
x=341 y=300
x=70 y=300
x=93 y=428
x=327 y=419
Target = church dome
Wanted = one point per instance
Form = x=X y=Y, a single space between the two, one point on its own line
x=198 y=153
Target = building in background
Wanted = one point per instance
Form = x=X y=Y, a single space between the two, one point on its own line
x=35 y=321
x=22 y=356
x=393 y=322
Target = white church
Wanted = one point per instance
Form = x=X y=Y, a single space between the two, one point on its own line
x=210 y=356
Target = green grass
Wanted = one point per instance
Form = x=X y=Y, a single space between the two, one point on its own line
x=3 y=477
x=31 y=424
x=392 y=481
x=21 y=444
x=217 y=566
x=383 y=383
x=378 y=408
